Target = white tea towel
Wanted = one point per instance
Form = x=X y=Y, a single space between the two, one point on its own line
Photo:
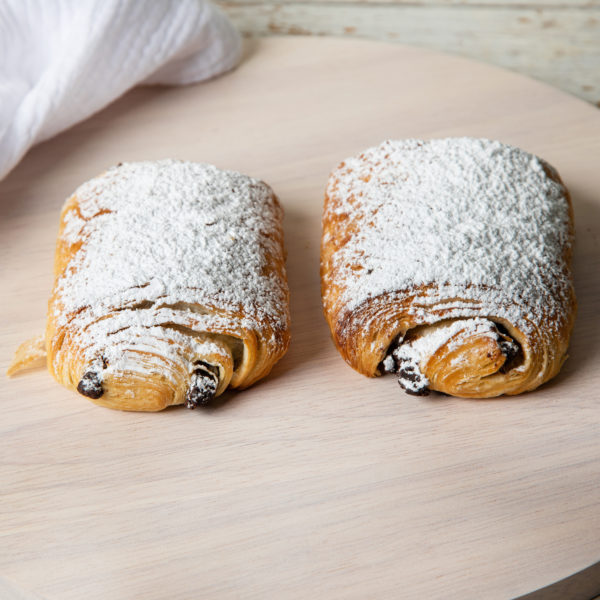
x=63 y=60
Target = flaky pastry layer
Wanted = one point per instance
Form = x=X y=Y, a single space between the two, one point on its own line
x=415 y=237
x=170 y=286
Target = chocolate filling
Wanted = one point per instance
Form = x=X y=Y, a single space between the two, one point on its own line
x=389 y=364
x=514 y=355
x=90 y=385
x=203 y=386
x=410 y=379
x=511 y=349
x=413 y=382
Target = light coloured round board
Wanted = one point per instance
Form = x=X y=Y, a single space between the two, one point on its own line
x=317 y=482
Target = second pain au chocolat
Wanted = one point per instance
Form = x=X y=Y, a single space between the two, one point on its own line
x=170 y=287
x=448 y=262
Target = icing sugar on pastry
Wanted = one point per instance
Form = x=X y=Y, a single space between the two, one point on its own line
x=464 y=237
x=472 y=218
x=175 y=232
x=170 y=287
x=163 y=267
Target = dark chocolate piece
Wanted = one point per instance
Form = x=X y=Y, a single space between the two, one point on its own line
x=411 y=380
x=203 y=385
x=90 y=385
x=514 y=355
x=389 y=363
x=423 y=391
x=509 y=349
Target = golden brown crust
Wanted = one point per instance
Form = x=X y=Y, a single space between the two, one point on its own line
x=364 y=333
x=144 y=351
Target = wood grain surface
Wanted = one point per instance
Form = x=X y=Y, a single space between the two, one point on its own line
x=556 y=41
x=317 y=482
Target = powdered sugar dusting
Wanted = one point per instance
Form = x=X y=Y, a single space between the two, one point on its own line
x=187 y=241
x=467 y=218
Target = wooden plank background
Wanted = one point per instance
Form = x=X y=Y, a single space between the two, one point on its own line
x=556 y=41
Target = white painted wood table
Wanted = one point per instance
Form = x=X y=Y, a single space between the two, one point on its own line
x=556 y=41
x=317 y=482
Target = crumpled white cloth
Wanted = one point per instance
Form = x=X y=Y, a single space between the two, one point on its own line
x=62 y=60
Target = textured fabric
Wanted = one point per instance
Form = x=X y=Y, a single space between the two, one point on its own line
x=63 y=60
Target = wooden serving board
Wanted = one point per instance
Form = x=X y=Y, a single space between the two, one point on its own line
x=317 y=482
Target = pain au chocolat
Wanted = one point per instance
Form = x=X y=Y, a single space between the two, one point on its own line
x=448 y=262
x=170 y=287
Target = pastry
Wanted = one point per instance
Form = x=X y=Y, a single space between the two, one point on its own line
x=170 y=287
x=448 y=262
